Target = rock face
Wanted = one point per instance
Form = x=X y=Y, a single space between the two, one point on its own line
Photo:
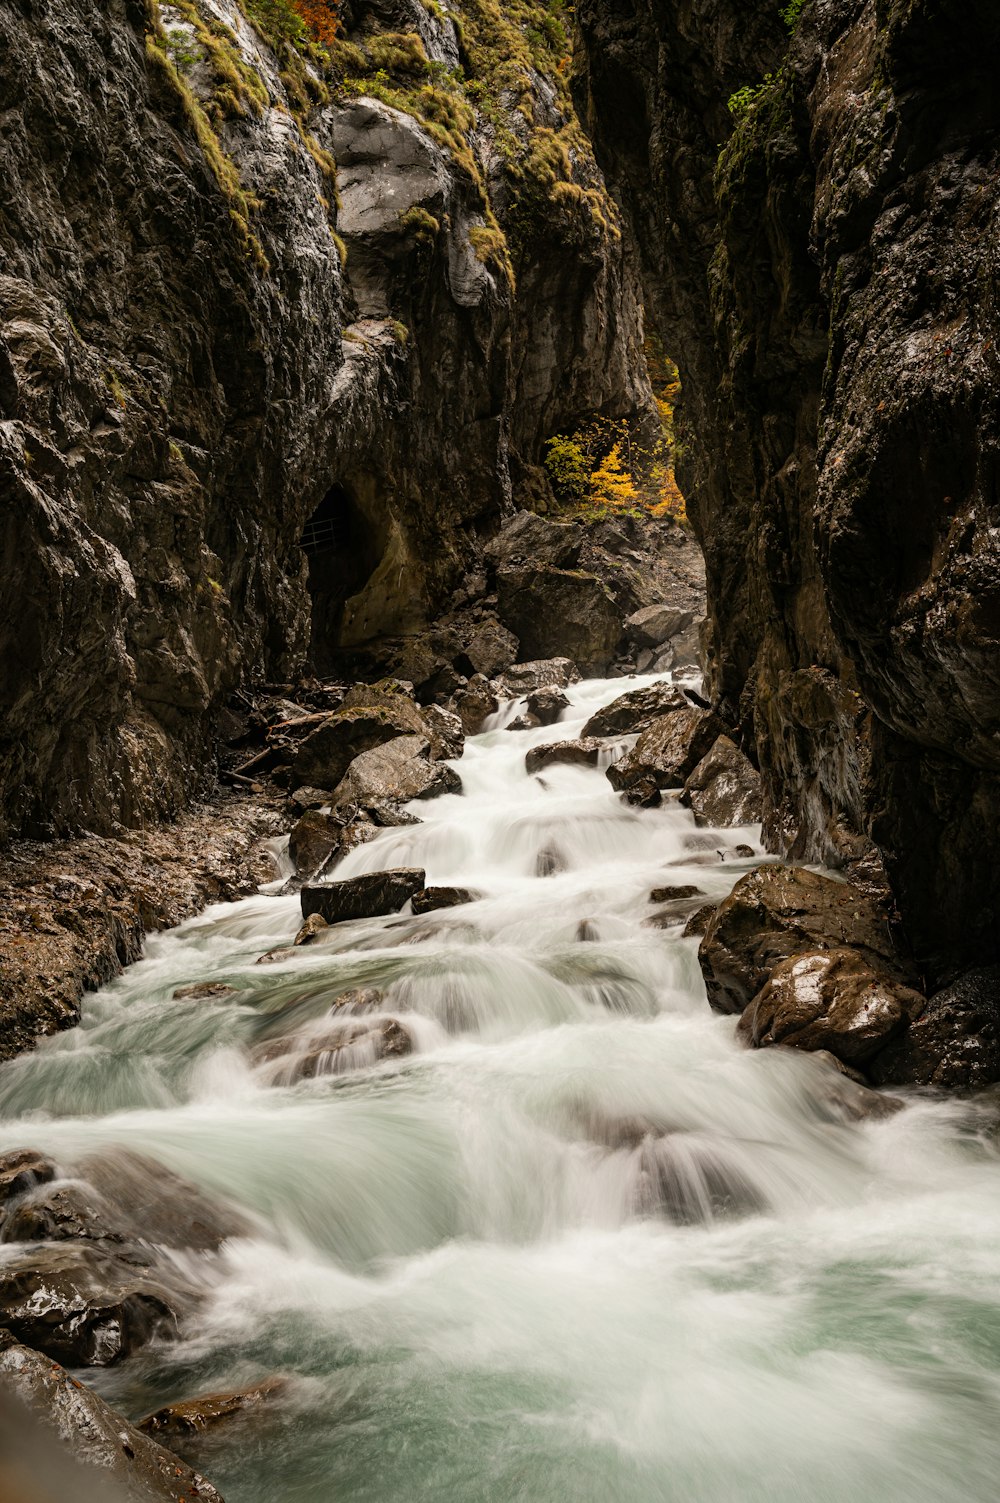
x=225 y=446
x=369 y=896
x=105 y=1455
x=822 y=284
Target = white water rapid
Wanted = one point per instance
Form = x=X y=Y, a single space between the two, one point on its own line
x=483 y=1281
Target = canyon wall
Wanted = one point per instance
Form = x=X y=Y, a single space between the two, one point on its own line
x=820 y=258
x=249 y=287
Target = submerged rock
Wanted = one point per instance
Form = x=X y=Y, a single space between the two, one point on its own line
x=582 y=753
x=103 y=1450
x=21 y=1170
x=210 y=1410
x=670 y=894
x=777 y=911
x=205 y=990
x=725 y=788
x=636 y=711
x=691 y=1182
x=338 y=1051
x=369 y=896
x=431 y=898
x=665 y=754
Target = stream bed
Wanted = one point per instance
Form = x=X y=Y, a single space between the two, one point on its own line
x=484 y=1281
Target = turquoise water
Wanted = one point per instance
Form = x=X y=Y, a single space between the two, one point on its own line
x=460 y=1265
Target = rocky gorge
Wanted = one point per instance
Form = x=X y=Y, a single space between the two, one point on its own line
x=592 y=894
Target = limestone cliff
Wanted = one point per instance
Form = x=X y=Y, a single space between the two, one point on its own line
x=821 y=258
x=256 y=293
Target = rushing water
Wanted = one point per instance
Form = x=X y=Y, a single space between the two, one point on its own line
x=462 y=1264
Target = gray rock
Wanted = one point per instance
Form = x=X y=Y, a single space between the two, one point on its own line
x=396 y=772
x=447 y=727
x=655 y=624
x=473 y=703
x=561 y=612
x=328 y=751
x=543 y=673
x=582 y=753
x=368 y=896
x=205 y=990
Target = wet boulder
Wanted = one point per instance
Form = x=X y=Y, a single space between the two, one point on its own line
x=954 y=1042
x=777 y=911
x=309 y=798
x=832 y=1000
x=636 y=711
x=566 y=612
x=692 y=1181
x=664 y=755
x=314 y=838
x=358 y=999
x=473 y=704
x=523 y=722
x=431 y=898
x=93 y=1449
x=205 y=991
x=159 y=1206
x=653 y=625
x=311 y=930
x=369 y=896
x=447 y=727
x=725 y=788
x=86 y=1306
x=324 y=756
x=21 y=1169
x=671 y=894
x=396 y=772
x=582 y=753
x=699 y=921
x=547 y=704
x=542 y=673
x=210 y=1411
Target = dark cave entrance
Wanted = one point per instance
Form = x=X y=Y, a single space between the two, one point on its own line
x=342 y=553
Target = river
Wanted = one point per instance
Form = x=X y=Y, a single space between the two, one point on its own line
x=464 y=1263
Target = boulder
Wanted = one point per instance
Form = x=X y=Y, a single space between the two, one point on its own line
x=665 y=754
x=833 y=1000
x=93 y=1450
x=311 y=930
x=671 y=894
x=395 y=772
x=530 y=539
x=431 y=898
x=367 y=896
x=275 y=957
x=210 y=1410
x=340 y=1050
x=488 y=649
x=473 y=704
x=324 y=756
x=309 y=798
x=359 y=999
x=547 y=704
x=699 y=921
x=691 y=1182
x=725 y=788
x=655 y=624
x=562 y=612
x=314 y=838
x=955 y=1041
x=447 y=727
x=543 y=673
x=523 y=722
x=88 y=1307
x=21 y=1170
x=636 y=711
x=583 y=753
x=777 y=911
x=161 y=1207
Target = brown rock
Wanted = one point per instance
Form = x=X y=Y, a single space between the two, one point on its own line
x=446 y=728
x=367 y=896
x=324 y=755
x=955 y=1042
x=315 y=837
x=359 y=999
x=431 y=898
x=777 y=911
x=668 y=894
x=206 y=989
x=562 y=612
x=396 y=772
x=474 y=703
x=541 y=673
x=311 y=930
x=210 y=1410
x=699 y=921
x=636 y=711
x=583 y=753
x=20 y=1170
x=833 y=1000
x=340 y=1050
x=725 y=788
x=104 y=1454
x=547 y=704
x=665 y=754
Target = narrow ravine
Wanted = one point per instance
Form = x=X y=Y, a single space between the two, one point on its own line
x=577 y=1245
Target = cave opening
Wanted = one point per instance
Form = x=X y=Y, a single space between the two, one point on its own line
x=342 y=553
